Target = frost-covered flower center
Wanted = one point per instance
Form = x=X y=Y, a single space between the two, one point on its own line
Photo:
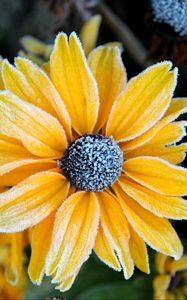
x=92 y=162
x=171 y=12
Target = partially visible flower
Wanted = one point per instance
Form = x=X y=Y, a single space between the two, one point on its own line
x=35 y=50
x=114 y=143
x=171 y=283
x=39 y=52
x=89 y=33
x=173 y=13
x=12 y=274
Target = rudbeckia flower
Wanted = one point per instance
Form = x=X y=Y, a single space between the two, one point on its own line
x=92 y=160
x=171 y=283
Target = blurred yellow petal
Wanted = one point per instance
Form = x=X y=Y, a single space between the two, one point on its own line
x=32 y=44
x=40 y=243
x=46 y=68
x=177 y=265
x=73 y=236
x=107 y=67
x=14 y=172
x=73 y=79
x=14 y=268
x=45 y=91
x=10 y=292
x=138 y=251
x=161 y=284
x=2 y=189
x=39 y=132
x=89 y=33
x=11 y=150
x=32 y=200
x=115 y=44
x=116 y=231
x=105 y=250
x=160 y=205
x=160 y=262
x=157 y=175
x=143 y=103
x=156 y=232
x=177 y=107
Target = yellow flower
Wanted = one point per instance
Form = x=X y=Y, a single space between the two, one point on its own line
x=86 y=128
x=171 y=283
x=12 y=276
x=39 y=52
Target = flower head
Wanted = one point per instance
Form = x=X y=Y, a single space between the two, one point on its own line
x=171 y=283
x=92 y=160
x=173 y=13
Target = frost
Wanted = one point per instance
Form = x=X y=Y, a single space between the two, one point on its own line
x=171 y=12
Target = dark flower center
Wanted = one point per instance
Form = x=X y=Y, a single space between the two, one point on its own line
x=92 y=162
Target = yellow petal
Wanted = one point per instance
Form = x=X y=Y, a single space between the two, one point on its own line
x=177 y=107
x=116 y=230
x=156 y=232
x=143 y=103
x=174 y=154
x=75 y=82
x=89 y=33
x=46 y=68
x=14 y=269
x=107 y=67
x=161 y=284
x=1 y=78
x=160 y=205
x=3 y=189
x=158 y=175
x=105 y=250
x=44 y=91
x=39 y=132
x=73 y=236
x=160 y=262
x=66 y=284
x=32 y=200
x=10 y=292
x=138 y=251
x=40 y=243
x=177 y=265
x=32 y=44
x=14 y=172
x=11 y=150
x=16 y=82
x=169 y=134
